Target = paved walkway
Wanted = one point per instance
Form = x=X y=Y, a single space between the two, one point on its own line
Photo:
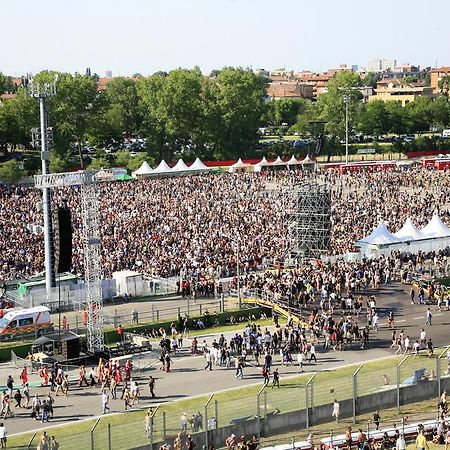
x=188 y=377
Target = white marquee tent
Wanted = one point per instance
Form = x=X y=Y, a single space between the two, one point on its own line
x=293 y=161
x=239 y=165
x=144 y=170
x=163 y=167
x=198 y=165
x=433 y=237
x=180 y=166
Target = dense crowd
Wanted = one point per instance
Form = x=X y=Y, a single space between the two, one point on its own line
x=191 y=225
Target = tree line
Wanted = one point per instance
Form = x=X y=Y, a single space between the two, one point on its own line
x=186 y=114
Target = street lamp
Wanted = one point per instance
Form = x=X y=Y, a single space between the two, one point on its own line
x=346 y=98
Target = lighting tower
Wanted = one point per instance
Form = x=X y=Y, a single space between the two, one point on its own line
x=43 y=136
x=87 y=180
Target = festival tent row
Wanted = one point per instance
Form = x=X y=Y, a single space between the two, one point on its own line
x=163 y=168
x=264 y=164
x=433 y=237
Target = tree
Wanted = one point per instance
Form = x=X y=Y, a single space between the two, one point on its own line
x=122 y=159
x=122 y=105
x=371 y=79
x=99 y=163
x=419 y=115
x=396 y=117
x=374 y=119
x=136 y=162
x=331 y=105
x=441 y=111
x=444 y=85
x=59 y=162
x=11 y=171
x=240 y=104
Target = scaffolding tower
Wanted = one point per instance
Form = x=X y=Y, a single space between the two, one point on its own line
x=91 y=242
x=307 y=209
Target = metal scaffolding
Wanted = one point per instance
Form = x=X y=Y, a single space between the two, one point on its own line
x=307 y=208
x=91 y=241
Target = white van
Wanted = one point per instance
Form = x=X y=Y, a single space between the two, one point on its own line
x=22 y=321
x=446 y=133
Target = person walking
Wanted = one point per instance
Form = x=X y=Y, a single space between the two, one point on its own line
x=376 y=419
x=336 y=410
x=208 y=360
x=105 y=402
x=312 y=352
x=429 y=317
x=3 y=434
x=151 y=386
x=276 y=379
x=300 y=361
x=400 y=444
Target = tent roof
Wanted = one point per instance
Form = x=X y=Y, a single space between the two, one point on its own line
x=180 y=166
x=239 y=163
x=435 y=228
x=264 y=162
x=409 y=232
x=145 y=169
x=380 y=235
x=198 y=165
x=307 y=160
x=293 y=161
x=162 y=168
x=279 y=162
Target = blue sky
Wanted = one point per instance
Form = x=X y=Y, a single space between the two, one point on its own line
x=128 y=36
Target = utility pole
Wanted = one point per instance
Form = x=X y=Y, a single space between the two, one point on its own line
x=43 y=137
x=346 y=101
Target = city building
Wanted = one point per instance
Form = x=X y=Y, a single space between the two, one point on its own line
x=397 y=90
x=436 y=76
x=108 y=74
x=262 y=72
x=289 y=89
x=381 y=65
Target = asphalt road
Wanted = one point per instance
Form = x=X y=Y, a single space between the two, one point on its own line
x=188 y=377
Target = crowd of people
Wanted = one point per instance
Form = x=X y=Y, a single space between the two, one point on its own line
x=186 y=226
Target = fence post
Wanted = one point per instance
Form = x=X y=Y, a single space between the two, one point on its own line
x=164 y=425
x=438 y=374
x=309 y=385
x=200 y=309
x=157 y=315
x=265 y=405
x=355 y=390
x=109 y=437
x=153 y=312
x=398 y=382
x=258 y=418
x=92 y=440
x=206 y=420
x=216 y=412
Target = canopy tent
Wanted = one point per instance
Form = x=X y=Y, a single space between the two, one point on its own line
x=293 y=161
x=198 y=165
x=163 y=167
x=145 y=169
x=434 y=237
x=380 y=236
x=435 y=228
x=238 y=166
x=259 y=165
x=279 y=162
x=180 y=166
x=409 y=232
x=307 y=161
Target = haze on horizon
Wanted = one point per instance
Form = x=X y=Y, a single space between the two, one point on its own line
x=148 y=36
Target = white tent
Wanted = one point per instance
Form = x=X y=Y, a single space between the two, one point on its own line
x=380 y=236
x=279 y=162
x=435 y=228
x=180 y=166
x=198 y=165
x=162 y=168
x=293 y=161
x=307 y=160
x=409 y=232
x=264 y=162
x=145 y=169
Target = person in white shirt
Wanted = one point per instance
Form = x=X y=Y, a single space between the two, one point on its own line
x=336 y=409
x=3 y=433
x=416 y=348
x=406 y=344
x=300 y=359
x=105 y=401
x=423 y=337
x=400 y=443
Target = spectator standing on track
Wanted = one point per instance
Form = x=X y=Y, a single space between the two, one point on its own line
x=276 y=379
x=151 y=386
x=3 y=434
x=376 y=419
x=400 y=444
x=312 y=352
x=105 y=401
x=421 y=441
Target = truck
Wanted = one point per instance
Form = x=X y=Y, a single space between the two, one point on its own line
x=25 y=321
